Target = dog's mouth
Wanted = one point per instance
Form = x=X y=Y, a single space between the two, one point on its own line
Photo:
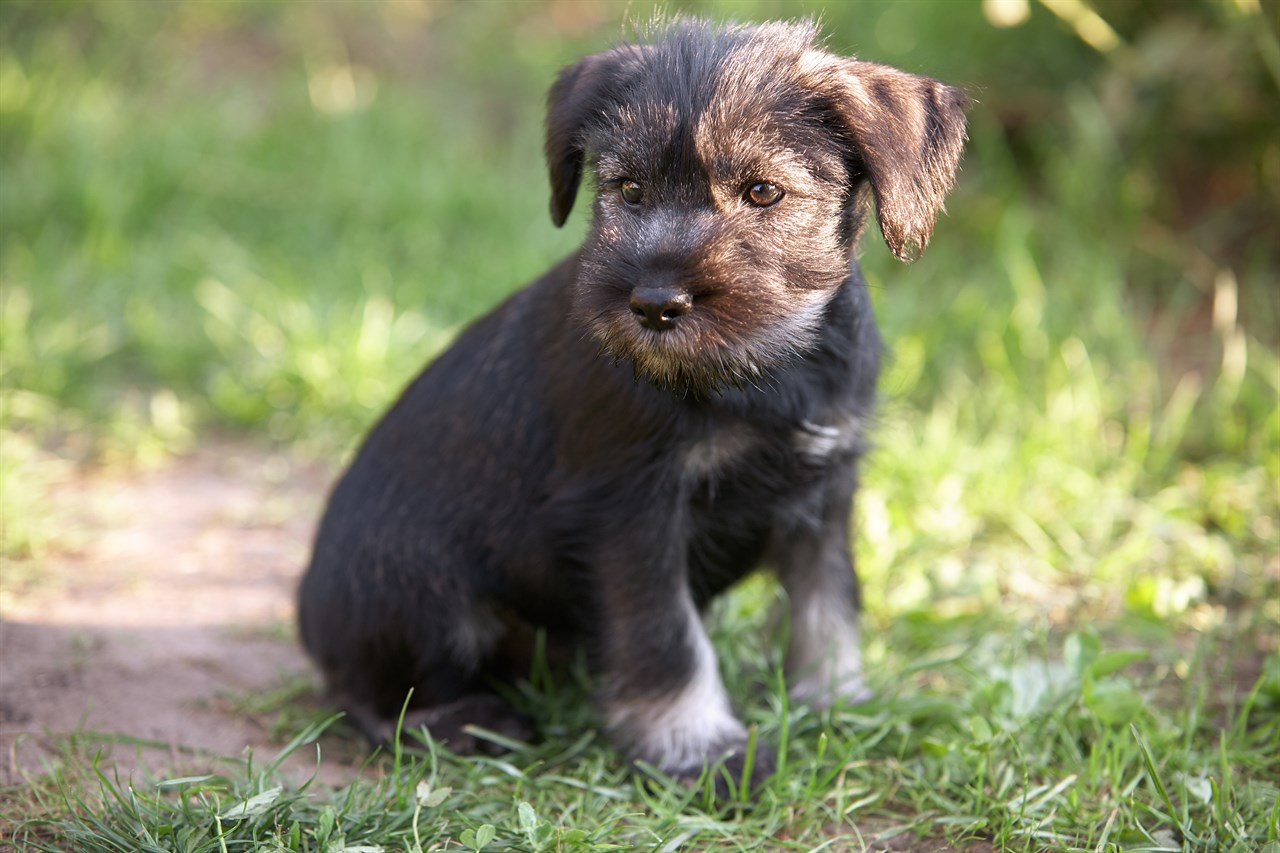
x=691 y=351
x=697 y=331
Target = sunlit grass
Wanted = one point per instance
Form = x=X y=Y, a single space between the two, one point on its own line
x=1029 y=740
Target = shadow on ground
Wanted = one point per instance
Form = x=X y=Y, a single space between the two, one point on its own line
x=162 y=630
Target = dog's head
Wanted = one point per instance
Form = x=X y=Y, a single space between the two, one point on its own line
x=733 y=168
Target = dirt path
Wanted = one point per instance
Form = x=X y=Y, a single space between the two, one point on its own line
x=175 y=608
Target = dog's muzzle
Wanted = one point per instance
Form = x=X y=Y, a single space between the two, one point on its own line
x=660 y=308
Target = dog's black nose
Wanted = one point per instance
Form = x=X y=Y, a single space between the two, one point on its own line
x=659 y=308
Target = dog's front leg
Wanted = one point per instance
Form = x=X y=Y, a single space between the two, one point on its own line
x=664 y=701
x=813 y=560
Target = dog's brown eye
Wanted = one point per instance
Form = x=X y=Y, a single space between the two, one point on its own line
x=631 y=192
x=764 y=194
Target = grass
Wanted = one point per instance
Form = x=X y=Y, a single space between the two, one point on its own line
x=1052 y=745
x=258 y=219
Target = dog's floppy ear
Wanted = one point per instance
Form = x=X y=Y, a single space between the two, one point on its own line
x=908 y=133
x=580 y=94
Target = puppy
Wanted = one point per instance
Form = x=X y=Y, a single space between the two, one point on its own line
x=681 y=401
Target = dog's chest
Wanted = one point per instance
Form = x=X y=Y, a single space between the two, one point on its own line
x=747 y=481
x=714 y=454
x=752 y=470
x=726 y=451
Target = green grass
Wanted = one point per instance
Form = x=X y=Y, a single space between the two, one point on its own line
x=1037 y=744
x=263 y=219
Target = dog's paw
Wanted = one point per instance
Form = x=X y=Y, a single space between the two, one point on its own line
x=821 y=691
x=737 y=770
x=685 y=746
x=732 y=778
x=452 y=725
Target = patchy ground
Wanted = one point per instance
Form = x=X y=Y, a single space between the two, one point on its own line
x=172 y=612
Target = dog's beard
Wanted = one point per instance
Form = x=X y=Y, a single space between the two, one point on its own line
x=706 y=354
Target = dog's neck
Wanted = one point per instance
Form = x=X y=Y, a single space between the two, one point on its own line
x=833 y=378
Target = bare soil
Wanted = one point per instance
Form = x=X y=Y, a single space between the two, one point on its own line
x=173 y=613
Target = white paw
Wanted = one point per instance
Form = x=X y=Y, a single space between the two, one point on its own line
x=690 y=725
x=824 y=689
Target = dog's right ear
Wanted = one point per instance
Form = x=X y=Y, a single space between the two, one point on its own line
x=908 y=131
x=579 y=95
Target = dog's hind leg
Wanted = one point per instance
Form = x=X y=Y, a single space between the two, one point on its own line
x=453 y=724
x=430 y=668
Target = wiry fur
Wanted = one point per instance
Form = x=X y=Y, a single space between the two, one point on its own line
x=565 y=466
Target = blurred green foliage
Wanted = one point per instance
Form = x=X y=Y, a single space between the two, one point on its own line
x=266 y=215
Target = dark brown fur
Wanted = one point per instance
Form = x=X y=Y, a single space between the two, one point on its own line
x=679 y=402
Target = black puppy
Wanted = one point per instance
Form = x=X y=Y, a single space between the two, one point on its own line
x=681 y=401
